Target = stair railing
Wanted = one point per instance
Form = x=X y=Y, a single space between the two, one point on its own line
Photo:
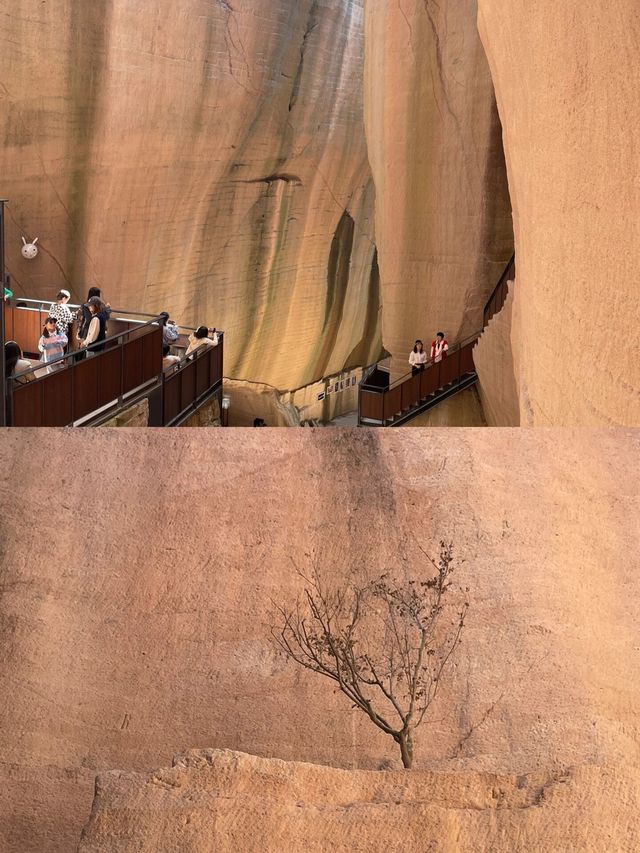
x=380 y=406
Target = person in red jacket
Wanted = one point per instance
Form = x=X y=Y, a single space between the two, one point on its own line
x=439 y=348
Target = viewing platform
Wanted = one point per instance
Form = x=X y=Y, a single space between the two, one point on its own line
x=95 y=389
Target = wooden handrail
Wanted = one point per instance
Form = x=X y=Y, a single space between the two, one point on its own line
x=381 y=405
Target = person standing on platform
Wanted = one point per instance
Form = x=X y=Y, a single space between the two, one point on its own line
x=51 y=345
x=439 y=348
x=97 y=331
x=417 y=358
x=170 y=333
x=60 y=310
x=84 y=315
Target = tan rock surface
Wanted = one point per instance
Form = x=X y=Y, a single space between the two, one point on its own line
x=493 y=359
x=463 y=410
x=443 y=223
x=567 y=78
x=136 y=587
x=225 y=801
x=207 y=158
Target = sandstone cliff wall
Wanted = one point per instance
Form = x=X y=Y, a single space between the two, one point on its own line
x=136 y=601
x=207 y=158
x=493 y=358
x=443 y=223
x=222 y=801
x=567 y=77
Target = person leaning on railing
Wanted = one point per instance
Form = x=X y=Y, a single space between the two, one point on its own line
x=15 y=363
x=168 y=360
x=417 y=358
x=201 y=338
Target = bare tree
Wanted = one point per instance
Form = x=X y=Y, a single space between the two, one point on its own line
x=386 y=643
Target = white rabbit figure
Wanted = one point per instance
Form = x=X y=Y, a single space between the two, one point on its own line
x=29 y=250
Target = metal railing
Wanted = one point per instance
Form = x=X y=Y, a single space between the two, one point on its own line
x=74 y=391
x=497 y=299
x=381 y=404
x=188 y=384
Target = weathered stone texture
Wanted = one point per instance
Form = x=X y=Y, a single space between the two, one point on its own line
x=493 y=358
x=567 y=78
x=207 y=158
x=136 y=415
x=135 y=615
x=462 y=410
x=224 y=801
x=443 y=223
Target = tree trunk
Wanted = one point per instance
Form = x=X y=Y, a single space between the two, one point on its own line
x=405 y=742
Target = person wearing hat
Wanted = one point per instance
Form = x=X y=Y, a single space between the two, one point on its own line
x=62 y=313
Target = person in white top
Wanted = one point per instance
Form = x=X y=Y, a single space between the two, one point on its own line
x=417 y=358
x=201 y=338
x=439 y=348
x=15 y=363
x=61 y=311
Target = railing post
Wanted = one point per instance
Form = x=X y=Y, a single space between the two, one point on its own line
x=70 y=365
x=3 y=402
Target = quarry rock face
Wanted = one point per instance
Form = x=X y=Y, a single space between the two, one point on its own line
x=566 y=77
x=204 y=158
x=225 y=801
x=443 y=216
x=493 y=360
x=135 y=616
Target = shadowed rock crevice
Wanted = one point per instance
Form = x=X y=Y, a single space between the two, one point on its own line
x=270 y=179
x=339 y=270
x=361 y=353
x=311 y=25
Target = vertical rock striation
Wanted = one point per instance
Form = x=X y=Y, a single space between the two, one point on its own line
x=567 y=79
x=201 y=157
x=443 y=222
